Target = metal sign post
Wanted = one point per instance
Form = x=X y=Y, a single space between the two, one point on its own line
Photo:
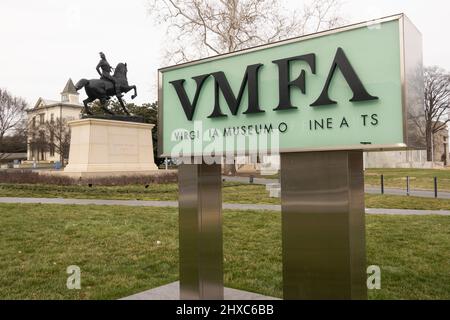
x=200 y=225
x=322 y=198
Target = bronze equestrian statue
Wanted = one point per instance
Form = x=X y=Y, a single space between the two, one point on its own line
x=107 y=86
x=104 y=70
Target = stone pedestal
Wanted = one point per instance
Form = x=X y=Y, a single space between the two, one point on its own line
x=100 y=147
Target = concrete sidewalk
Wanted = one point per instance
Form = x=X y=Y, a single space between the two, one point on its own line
x=174 y=204
x=413 y=193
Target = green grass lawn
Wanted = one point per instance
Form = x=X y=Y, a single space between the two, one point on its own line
x=404 y=202
x=419 y=178
x=232 y=193
x=396 y=178
x=116 y=248
x=167 y=191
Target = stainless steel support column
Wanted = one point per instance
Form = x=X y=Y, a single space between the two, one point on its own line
x=323 y=230
x=200 y=227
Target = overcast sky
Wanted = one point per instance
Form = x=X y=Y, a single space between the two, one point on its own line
x=45 y=42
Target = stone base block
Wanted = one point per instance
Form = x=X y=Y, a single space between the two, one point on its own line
x=100 y=147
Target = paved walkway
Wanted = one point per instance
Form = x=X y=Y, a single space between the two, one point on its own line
x=174 y=204
x=371 y=190
x=413 y=193
x=247 y=180
x=171 y=291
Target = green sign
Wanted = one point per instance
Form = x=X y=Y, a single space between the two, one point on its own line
x=356 y=87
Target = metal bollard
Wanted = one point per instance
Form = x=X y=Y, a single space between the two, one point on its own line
x=407 y=185
x=435 y=187
x=382 y=184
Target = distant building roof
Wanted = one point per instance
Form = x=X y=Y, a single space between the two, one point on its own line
x=69 y=88
x=13 y=156
x=42 y=103
x=49 y=102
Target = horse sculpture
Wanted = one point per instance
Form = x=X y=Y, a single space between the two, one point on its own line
x=103 y=89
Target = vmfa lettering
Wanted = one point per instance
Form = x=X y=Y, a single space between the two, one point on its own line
x=285 y=83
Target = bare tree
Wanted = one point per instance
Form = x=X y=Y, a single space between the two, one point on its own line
x=37 y=143
x=437 y=107
x=52 y=136
x=200 y=28
x=58 y=136
x=12 y=114
x=15 y=141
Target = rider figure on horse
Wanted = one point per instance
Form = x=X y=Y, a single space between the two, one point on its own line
x=104 y=70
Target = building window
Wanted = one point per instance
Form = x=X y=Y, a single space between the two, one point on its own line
x=34 y=122
x=52 y=118
x=41 y=118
